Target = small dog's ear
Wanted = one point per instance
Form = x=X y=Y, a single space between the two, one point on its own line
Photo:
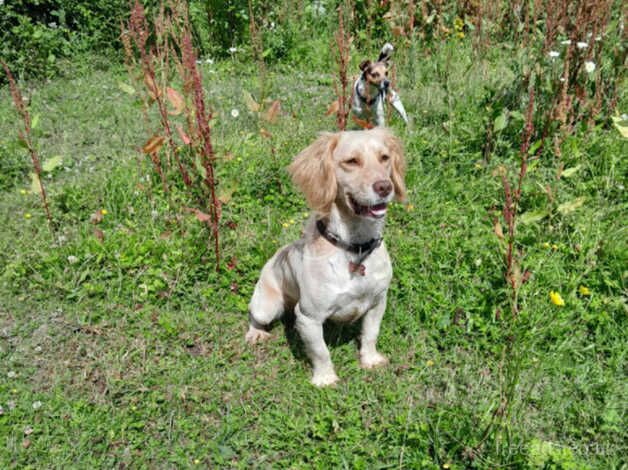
x=314 y=174
x=386 y=52
x=398 y=172
x=364 y=64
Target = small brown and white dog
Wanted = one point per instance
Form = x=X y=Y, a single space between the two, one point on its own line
x=340 y=269
x=372 y=90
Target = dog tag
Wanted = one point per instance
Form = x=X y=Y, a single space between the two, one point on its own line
x=357 y=268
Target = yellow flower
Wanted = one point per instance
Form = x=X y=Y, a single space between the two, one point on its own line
x=409 y=207
x=460 y=35
x=556 y=299
x=285 y=225
x=546 y=245
x=291 y=221
x=27 y=215
x=429 y=363
x=196 y=461
x=584 y=290
x=103 y=211
x=446 y=466
x=554 y=247
x=22 y=191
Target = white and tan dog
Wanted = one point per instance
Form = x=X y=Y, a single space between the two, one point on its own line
x=372 y=90
x=340 y=269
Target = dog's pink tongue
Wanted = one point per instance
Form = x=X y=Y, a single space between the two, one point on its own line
x=378 y=210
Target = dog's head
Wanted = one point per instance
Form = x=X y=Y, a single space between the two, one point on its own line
x=376 y=73
x=360 y=171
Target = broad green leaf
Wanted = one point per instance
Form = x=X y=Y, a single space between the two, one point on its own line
x=622 y=125
x=570 y=171
x=532 y=217
x=500 y=122
x=535 y=146
x=35 y=121
x=52 y=163
x=35 y=186
x=125 y=87
x=571 y=206
x=250 y=103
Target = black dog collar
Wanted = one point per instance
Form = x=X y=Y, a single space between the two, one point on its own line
x=363 y=250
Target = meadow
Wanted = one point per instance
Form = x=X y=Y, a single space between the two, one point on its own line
x=122 y=345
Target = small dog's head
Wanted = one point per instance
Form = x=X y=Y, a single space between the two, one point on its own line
x=360 y=171
x=376 y=73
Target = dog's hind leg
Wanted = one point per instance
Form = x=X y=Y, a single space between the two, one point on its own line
x=266 y=306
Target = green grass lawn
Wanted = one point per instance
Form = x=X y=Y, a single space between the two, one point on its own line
x=130 y=352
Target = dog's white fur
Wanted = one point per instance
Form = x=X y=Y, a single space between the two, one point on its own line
x=312 y=275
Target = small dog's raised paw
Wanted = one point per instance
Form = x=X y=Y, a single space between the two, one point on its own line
x=373 y=360
x=255 y=335
x=325 y=380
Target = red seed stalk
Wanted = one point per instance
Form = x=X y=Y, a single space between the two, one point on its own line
x=26 y=137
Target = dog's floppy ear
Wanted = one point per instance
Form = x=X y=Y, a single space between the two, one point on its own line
x=314 y=174
x=398 y=172
x=386 y=52
x=364 y=64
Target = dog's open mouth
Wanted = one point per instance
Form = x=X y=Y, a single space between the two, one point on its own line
x=376 y=211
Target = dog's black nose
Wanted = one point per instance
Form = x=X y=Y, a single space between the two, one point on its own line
x=386 y=83
x=382 y=187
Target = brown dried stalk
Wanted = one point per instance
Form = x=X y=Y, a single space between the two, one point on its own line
x=343 y=46
x=202 y=122
x=26 y=137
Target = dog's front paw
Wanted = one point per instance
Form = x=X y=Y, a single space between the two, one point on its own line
x=325 y=379
x=255 y=335
x=370 y=361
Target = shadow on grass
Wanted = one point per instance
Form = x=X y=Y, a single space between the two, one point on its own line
x=335 y=334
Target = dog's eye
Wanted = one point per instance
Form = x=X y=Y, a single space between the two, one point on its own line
x=385 y=158
x=352 y=161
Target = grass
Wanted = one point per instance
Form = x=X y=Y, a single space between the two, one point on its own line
x=133 y=346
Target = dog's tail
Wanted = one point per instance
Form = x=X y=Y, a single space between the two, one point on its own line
x=386 y=52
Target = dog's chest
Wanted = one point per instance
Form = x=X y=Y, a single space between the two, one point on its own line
x=353 y=294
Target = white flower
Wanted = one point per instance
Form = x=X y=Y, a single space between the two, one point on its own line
x=562 y=79
x=589 y=66
x=1 y=409
x=154 y=214
x=565 y=42
x=11 y=404
x=233 y=50
x=209 y=61
x=198 y=62
x=11 y=374
x=554 y=54
x=37 y=405
x=598 y=38
x=72 y=259
x=582 y=45
x=235 y=113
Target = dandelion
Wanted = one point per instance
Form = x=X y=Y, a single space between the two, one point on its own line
x=197 y=461
x=409 y=208
x=285 y=225
x=23 y=192
x=291 y=221
x=566 y=42
x=554 y=54
x=556 y=299
x=589 y=66
x=429 y=363
x=546 y=245
x=36 y=405
x=554 y=247
x=584 y=290
x=582 y=45
x=72 y=259
x=11 y=374
x=103 y=211
x=235 y=113
x=27 y=215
